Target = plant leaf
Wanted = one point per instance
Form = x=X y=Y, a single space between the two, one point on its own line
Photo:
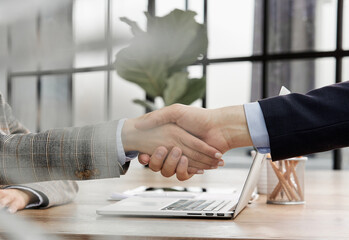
x=198 y=47
x=153 y=57
x=135 y=29
x=195 y=90
x=147 y=104
x=135 y=64
x=179 y=36
x=176 y=87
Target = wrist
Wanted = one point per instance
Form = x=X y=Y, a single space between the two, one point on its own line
x=128 y=135
x=233 y=123
x=22 y=196
x=27 y=196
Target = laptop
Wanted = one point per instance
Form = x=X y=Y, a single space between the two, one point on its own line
x=208 y=207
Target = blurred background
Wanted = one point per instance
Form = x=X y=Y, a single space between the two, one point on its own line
x=56 y=57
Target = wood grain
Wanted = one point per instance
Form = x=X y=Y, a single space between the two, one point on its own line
x=324 y=216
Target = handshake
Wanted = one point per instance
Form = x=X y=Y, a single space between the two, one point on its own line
x=185 y=140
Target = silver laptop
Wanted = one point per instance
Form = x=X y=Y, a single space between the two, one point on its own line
x=211 y=207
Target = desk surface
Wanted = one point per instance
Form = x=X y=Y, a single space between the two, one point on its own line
x=324 y=216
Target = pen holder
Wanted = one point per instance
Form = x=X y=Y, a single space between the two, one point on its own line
x=286 y=181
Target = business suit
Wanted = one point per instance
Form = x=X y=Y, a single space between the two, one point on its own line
x=302 y=124
x=72 y=153
x=78 y=153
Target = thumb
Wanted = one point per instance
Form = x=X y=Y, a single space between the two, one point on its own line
x=143 y=158
x=160 y=117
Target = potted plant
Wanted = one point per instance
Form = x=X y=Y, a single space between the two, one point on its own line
x=157 y=59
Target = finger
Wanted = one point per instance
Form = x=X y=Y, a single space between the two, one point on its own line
x=200 y=146
x=171 y=162
x=182 y=169
x=5 y=201
x=160 y=117
x=199 y=160
x=14 y=207
x=157 y=159
x=198 y=165
x=143 y=158
x=192 y=170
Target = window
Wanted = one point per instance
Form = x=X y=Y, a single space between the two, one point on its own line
x=61 y=55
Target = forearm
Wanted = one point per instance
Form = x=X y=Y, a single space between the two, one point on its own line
x=303 y=124
x=71 y=153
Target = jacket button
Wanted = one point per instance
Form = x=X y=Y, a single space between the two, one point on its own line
x=79 y=175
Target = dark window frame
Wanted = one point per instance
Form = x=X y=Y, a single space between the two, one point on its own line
x=264 y=59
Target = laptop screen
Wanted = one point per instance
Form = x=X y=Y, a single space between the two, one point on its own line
x=250 y=183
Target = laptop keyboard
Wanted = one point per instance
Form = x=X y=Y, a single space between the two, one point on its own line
x=196 y=205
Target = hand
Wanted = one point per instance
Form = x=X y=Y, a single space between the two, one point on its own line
x=173 y=165
x=14 y=199
x=200 y=154
x=223 y=128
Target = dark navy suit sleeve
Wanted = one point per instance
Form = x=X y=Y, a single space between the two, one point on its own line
x=302 y=124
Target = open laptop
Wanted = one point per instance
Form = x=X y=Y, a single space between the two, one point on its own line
x=211 y=207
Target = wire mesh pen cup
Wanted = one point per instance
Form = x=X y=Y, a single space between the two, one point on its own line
x=286 y=181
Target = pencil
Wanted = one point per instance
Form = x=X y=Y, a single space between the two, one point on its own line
x=288 y=190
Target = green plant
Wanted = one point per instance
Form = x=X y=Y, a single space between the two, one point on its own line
x=157 y=59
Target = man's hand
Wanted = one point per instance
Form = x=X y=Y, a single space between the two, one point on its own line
x=14 y=199
x=197 y=154
x=223 y=128
x=173 y=165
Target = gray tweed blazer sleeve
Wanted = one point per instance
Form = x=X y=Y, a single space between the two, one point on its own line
x=78 y=153
x=55 y=192
x=52 y=192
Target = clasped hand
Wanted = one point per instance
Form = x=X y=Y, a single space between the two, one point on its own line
x=185 y=140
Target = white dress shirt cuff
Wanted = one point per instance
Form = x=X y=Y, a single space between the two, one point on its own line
x=122 y=156
x=257 y=128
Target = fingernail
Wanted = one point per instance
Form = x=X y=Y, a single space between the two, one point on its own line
x=218 y=155
x=160 y=153
x=200 y=172
x=221 y=163
x=176 y=153
x=214 y=167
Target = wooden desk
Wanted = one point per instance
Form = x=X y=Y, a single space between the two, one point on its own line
x=325 y=215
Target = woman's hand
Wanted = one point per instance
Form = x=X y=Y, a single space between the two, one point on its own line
x=14 y=199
